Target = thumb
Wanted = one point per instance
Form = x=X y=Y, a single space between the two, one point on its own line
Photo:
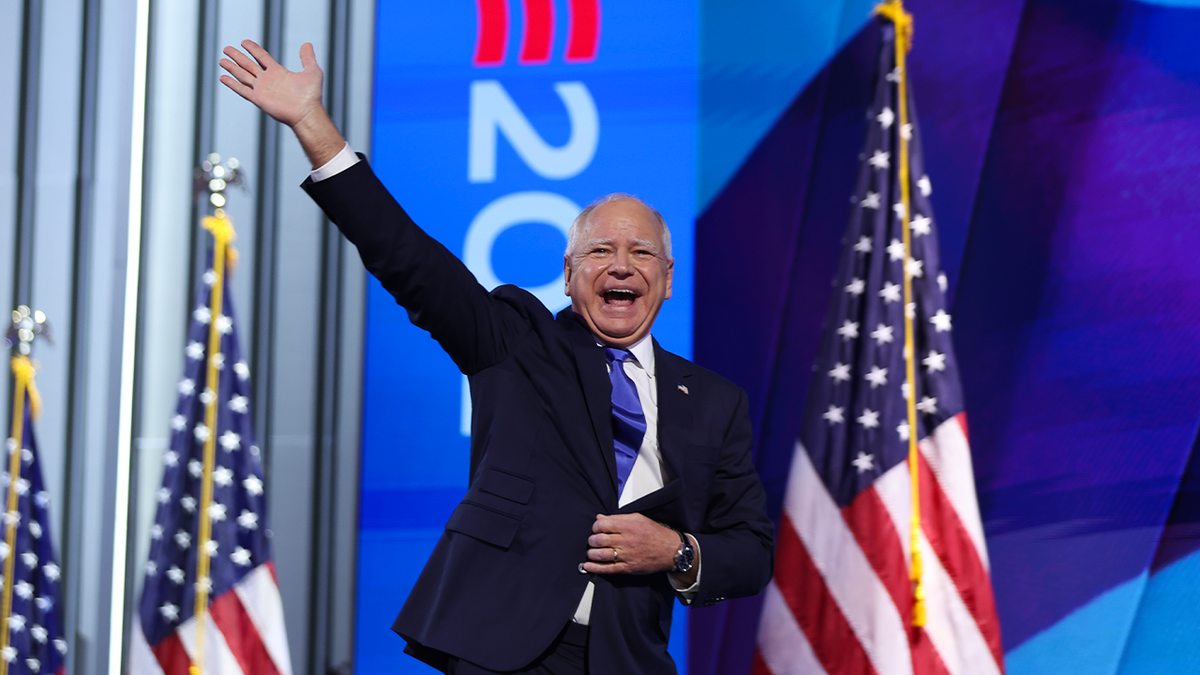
x=308 y=57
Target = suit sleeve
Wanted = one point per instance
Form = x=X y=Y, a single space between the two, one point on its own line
x=441 y=295
x=736 y=542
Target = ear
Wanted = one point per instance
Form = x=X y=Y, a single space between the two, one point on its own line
x=567 y=275
x=670 y=276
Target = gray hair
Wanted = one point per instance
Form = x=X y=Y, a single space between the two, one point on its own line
x=574 y=233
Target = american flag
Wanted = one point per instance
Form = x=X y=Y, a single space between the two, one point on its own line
x=242 y=631
x=841 y=601
x=35 y=641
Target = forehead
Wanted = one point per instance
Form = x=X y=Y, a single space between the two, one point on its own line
x=623 y=218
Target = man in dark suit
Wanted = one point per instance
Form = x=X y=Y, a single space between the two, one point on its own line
x=608 y=476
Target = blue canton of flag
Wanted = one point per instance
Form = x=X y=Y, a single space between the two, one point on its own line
x=243 y=628
x=35 y=640
x=843 y=597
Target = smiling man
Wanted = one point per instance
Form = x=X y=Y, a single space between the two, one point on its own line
x=608 y=476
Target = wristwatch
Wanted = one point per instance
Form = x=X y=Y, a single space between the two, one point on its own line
x=685 y=557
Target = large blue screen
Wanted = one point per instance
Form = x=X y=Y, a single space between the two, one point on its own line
x=494 y=123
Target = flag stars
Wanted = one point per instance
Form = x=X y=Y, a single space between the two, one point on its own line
x=203 y=584
x=195 y=351
x=210 y=547
x=196 y=468
x=863 y=245
x=35 y=528
x=902 y=431
x=927 y=405
x=224 y=324
x=906 y=131
x=882 y=334
x=856 y=286
x=44 y=604
x=210 y=277
x=183 y=539
x=16 y=623
x=890 y=292
x=170 y=612
x=170 y=458
x=216 y=512
x=940 y=321
x=23 y=589
x=9 y=654
x=176 y=575
x=921 y=225
x=240 y=557
x=895 y=250
x=30 y=559
x=899 y=209
x=869 y=419
x=222 y=476
x=201 y=432
x=877 y=376
x=239 y=404
x=943 y=284
x=60 y=645
x=864 y=462
x=834 y=415
x=151 y=569
x=849 y=330
x=248 y=520
x=164 y=495
x=207 y=396
x=886 y=117
x=935 y=362
x=904 y=388
x=253 y=485
x=242 y=370
x=188 y=503
x=203 y=315
x=925 y=186
x=22 y=487
x=178 y=423
x=34 y=664
x=230 y=441
x=39 y=633
x=156 y=532
x=871 y=201
x=187 y=387
x=218 y=361
x=880 y=160
x=840 y=372
x=915 y=268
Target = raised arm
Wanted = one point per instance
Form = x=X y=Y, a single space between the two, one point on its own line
x=293 y=98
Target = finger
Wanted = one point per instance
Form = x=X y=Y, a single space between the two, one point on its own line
x=602 y=540
x=605 y=524
x=244 y=62
x=237 y=87
x=601 y=555
x=308 y=56
x=259 y=54
x=598 y=568
x=237 y=72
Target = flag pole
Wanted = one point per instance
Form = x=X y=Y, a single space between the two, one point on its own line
x=26 y=326
x=223 y=234
x=903 y=22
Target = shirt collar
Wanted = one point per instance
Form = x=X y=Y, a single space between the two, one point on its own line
x=643 y=351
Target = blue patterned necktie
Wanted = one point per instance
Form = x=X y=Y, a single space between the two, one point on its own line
x=629 y=422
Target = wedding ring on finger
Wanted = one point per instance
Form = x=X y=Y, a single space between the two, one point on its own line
x=614 y=556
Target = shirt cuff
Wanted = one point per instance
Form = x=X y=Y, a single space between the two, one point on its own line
x=689 y=593
x=340 y=162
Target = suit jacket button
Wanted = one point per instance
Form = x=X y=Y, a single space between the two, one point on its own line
x=581 y=570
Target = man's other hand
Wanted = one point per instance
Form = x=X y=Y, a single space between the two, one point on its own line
x=630 y=544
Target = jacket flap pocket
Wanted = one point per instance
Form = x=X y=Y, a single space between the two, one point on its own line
x=484 y=524
x=507 y=485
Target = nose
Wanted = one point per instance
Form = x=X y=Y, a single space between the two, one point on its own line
x=621 y=267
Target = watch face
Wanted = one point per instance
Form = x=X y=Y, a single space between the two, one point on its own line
x=684 y=559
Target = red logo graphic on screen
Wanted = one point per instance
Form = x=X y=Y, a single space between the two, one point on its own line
x=491 y=42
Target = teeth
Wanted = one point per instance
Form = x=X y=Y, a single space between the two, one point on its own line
x=620 y=290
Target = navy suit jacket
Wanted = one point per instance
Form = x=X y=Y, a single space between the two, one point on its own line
x=505 y=577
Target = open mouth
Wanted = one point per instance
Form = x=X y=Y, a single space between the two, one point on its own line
x=619 y=297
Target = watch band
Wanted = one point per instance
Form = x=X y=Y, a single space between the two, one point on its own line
x=685 y=557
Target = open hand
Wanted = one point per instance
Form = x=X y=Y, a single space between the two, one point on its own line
x=292 y=98
x=630 y=544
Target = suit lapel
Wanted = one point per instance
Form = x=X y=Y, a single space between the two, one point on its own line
x=674 y=409
x=597 y=392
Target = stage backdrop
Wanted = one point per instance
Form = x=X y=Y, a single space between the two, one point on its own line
x=495 y=123
x=1061 y=138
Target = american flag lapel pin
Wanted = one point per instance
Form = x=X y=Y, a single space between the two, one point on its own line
x=680 y=387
